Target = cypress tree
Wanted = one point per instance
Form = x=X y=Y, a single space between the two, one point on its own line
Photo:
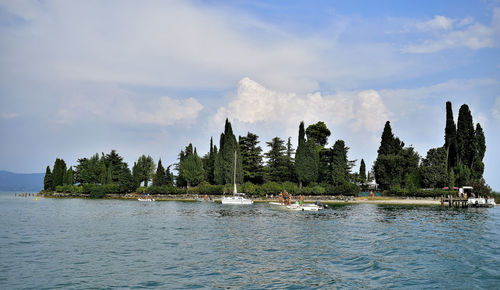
x=478 y=165
x=389 y=144
x=466 y=141
x=290 y=161
x=191 y=169
x=306 y=159
x=362 y=171
x=224 y=162
x=58 y=173
x=450 y=138
x=70 y=176
x=340 y=167
x=47 y=180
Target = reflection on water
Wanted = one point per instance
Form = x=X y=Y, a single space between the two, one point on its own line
x=58 y=243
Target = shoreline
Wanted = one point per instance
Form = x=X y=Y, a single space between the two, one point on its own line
x=331 y=200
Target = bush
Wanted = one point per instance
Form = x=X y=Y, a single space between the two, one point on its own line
x=97 y=192
x=313 y=189
x=347 y=189
x=164 y=189
x=111 y=188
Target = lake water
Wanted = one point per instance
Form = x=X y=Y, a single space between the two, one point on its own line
x=82 y=244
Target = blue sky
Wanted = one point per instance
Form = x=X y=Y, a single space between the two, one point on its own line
x=80 y=77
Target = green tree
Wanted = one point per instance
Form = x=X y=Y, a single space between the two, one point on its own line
x=211 y=162
x=319 y=133
x=362 y=171
x=160 y=178
x=451 y=179
x=389 y=144
x=276 y=161
x=306 y=159
x=450 y=138
x=290 y=161
x=466 y=141
x=477 y=168
x=89 y=171
x=340 y=164
x=144 y=169
x=47 y=180
x=191 y=169
x=58 y=173
x=224 y=162
x=251 y=154
x=434 y=168
x=70 y=176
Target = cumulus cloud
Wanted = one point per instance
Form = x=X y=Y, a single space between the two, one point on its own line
x=114 y=105
x=447 y=33
x=254 y=103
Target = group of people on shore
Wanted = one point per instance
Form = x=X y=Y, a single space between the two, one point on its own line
x=285 y=198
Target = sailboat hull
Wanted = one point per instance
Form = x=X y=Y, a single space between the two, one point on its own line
x=236 y=200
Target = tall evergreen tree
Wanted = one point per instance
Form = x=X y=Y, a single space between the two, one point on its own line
x=251 y=155
x=224 y=163
x=306 y=159
x=211 y=162
x=466 y=141
x=47 y=180
x=70 y=176
x=276 y=168
x=389 y=144
x=58 y=173
x=450 y=138
x=340 y=164
x=191 y=169
x=362 y=171
x=477 y=168
x=160 y=178
x=290 y=161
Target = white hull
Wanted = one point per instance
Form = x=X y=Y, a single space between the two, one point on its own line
x=481 y=202
x=236 y=200
x=146 y=199
x=297 y=207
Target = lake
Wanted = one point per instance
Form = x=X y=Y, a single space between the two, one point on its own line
x=82 y=244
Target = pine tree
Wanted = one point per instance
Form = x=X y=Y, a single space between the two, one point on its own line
x=251 y=155
x=47 y=180
x=160 y=177
x=319 y=133
x=389 y=144
x=276 y=161
x=191 y=169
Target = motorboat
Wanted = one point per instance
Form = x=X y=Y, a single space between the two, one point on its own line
x=297 y=207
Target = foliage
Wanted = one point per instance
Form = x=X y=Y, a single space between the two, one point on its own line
x=319 y=133
x=450 y=138
x=251 y=155
x=362 y=171
x=47 y=180
x=481 y=188
x=224 y=162
x=191 y=169
x=466 y=143
x=434 y=168
x=306 y=159
x=340 y=169
x=97 y=192
x=59 y=172
x=434 y=193
x=276 y=169
x=389 y=145
x=144 y=169
x=164 y=189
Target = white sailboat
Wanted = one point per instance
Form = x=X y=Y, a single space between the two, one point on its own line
x=237 y=198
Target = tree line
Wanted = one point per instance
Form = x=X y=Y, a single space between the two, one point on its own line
x=312 y=164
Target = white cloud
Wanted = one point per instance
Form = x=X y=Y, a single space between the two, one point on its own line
x=438 y=22
x=453 y=33
x=114 y=105
x=7 y=116
x=359 y=110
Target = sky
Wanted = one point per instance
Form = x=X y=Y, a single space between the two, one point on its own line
x=150 y=77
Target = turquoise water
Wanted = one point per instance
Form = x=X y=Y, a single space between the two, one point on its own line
x=82 y=244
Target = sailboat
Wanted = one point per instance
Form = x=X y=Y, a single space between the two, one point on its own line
x=237 y=198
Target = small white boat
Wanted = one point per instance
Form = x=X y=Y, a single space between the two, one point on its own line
x=202 y=199
x=481 y=202
x=298 y=207
x=145 y=199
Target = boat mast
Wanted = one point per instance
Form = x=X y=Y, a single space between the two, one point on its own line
x=234 y=177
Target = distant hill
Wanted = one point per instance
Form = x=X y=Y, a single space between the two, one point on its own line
x=10 y=181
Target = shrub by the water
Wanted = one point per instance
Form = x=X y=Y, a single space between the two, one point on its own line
x=419 y=192
x=97 y=192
